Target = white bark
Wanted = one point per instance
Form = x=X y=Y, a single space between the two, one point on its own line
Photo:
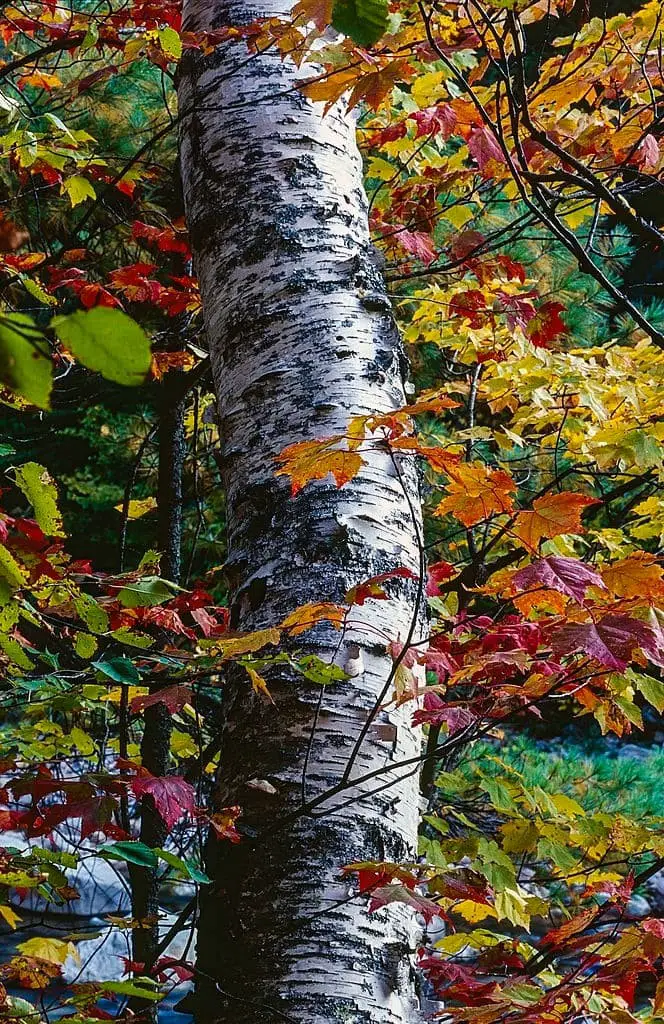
x=301 y=339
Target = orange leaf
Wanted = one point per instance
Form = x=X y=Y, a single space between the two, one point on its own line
x=552 y=515
x=439 y=459
x=434 y=403
x=577 y=924
x=542 y=601
x=163 y=362
x=329 y=88
x=313 y=460
x=40 y=80
x=317 y=11
x=30 y=972
x=476 y=492
x=11 y=236
x=659 y=997
x=309 y=614
x=639 y=575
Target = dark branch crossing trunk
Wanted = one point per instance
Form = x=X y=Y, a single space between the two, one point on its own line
x=155 y=745
x=301 y=339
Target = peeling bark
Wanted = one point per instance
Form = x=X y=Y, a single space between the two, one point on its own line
x=301 y=339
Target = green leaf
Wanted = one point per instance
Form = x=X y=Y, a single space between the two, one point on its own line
x=652 y=689
x=120 y=669
x=146 y=592
x=184 y=866
x=92 y=614
x=134 y=853
x=319 y=671
x=133 y=988
x=128 y=636
x=25 y=364
x=15 y=652
x=11 y=573
x=35 y=289
x=107 y=341
x=365 y=21
x=37 y=484
x=68 y=860
x=82 y=741
x=9 y=616
x=85 y=645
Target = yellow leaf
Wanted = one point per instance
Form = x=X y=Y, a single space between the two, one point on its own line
x=383 y=169
x=459 y=215
x=578 y=214
x=55 y=951
x=427 y=88
x=246 y=644
x=512 y=905
x=473 y=912
x=10 y=916
x=138 y=507
x=115 y=693
x=78 y=189
x=258 y=684
x=567 y=806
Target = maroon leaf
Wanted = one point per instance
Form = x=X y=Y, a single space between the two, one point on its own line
x=438 y=120
x=436 y=711
x=419 y=244
x=611 y=641
x=567 y=575
x=174 y=697
x=483 y=147
x=459 y=889
x=400 y=894
x=173 y=797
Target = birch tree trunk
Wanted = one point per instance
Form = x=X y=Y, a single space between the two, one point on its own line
x=301 y=339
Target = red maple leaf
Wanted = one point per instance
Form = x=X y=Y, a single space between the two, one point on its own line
x=546 y=325
x=172 y=796
x=470 y=305
x=361 y=592
x=439 y=572
x=436 y=711
x=166 y=239
x=401 y=894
